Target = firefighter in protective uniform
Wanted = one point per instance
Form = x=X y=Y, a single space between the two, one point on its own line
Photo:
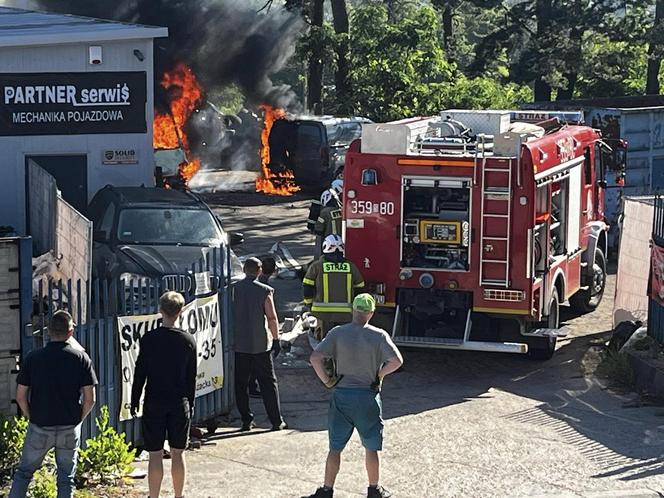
x=330 y=285
x=325 y=215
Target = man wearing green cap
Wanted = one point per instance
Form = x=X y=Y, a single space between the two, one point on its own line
x=363 y=355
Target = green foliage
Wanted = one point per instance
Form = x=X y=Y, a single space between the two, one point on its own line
x=44 y=483
x=618 y=369
x=12 y=435
x=612 y=68
x=107 y=457
x=578 y=48
x=489 y=54
x=397 y=68
x=487 y=93
x=228 y=100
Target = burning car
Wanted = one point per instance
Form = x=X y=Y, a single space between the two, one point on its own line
x=313 y=148
x=171 y=144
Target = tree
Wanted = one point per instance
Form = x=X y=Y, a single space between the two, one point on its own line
x=399 y=68
x=315 y=70
x=545 y=39
x=614 y=63
x=447 y=10
x=340 y=20
x=655 y=48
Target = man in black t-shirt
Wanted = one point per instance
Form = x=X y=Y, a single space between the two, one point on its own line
x=167 y=361
x=56 y=391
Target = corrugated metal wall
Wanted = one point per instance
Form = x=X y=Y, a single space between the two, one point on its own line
x=15 y=307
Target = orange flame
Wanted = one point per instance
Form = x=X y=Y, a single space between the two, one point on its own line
x=185 y=93
x=270 y=182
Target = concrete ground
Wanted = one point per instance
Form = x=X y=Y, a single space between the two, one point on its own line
x=458 y=424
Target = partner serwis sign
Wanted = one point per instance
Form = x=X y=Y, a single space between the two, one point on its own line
x=72 y=103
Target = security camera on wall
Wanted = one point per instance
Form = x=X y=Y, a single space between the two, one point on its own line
x=95 y=55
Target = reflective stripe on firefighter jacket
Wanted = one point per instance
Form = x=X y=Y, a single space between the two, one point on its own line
x=329 y=287
x=329 y=222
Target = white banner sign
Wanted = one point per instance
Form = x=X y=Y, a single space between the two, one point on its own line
x=200 y=318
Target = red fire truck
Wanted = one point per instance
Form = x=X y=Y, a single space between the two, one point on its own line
x=472 y=229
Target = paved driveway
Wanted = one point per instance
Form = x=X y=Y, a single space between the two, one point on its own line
x=458 y=424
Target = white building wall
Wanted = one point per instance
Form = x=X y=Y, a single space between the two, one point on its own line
x=117 y=56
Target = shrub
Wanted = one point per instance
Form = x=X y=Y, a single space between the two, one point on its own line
x=618 y=369
x=107 y=457
x=12 y=435
x=44 y=483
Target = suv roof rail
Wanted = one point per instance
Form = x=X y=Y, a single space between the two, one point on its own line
x=192 y=195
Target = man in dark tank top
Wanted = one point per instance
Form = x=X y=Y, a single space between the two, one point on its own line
x=256 y=335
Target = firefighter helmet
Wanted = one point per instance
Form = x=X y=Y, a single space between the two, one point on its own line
x=338 y=186
x=331 y=194
x=333 y=243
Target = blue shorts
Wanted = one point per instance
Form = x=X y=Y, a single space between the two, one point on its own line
x=355 y=408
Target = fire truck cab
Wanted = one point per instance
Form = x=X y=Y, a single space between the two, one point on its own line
x=472 y=229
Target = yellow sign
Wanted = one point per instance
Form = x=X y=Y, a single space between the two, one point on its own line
x=336 y=267
x=440 y=232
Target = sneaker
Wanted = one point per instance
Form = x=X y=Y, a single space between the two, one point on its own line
x=322 y=493
x=247 y=426
x=378 y=492
x=283 y=425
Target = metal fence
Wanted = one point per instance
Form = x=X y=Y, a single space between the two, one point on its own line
x=95 y=308
x=655 y=308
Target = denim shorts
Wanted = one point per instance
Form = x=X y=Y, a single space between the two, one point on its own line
x=355 y=408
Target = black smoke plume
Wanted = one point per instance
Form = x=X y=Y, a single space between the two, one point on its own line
x=223 y=41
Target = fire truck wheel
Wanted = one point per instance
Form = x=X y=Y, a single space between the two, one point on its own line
x=543 y=348
x=587 y=300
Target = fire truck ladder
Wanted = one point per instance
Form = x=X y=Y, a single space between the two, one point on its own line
x=503 y=195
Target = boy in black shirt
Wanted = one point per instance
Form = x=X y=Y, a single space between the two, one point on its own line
x=167 y=360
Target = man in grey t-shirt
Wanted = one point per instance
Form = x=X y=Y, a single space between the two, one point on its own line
x=364 y=355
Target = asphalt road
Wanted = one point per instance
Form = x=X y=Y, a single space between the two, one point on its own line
x=458 y=424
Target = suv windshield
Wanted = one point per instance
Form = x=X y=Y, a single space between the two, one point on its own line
x=168 y=226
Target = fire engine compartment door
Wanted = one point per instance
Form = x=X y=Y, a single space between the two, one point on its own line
x=435 y=223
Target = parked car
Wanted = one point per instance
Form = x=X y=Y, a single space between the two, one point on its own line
x=156 y=233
